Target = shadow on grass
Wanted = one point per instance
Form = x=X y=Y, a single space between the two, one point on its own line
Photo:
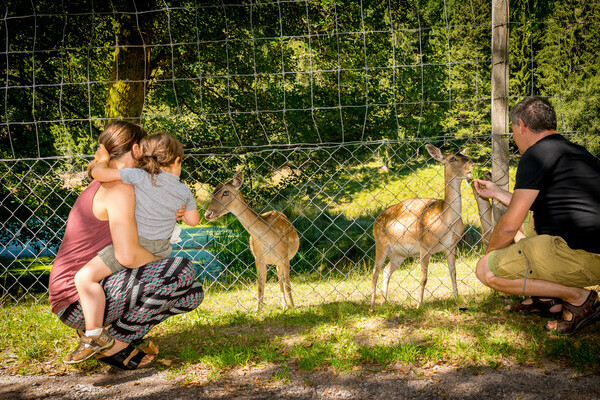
x=346 y=335
x=336 y=338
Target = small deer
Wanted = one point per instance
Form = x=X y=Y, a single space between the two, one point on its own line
x=273 y=238
x=422 y=227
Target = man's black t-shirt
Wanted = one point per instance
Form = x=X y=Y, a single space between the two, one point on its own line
x=568 y=178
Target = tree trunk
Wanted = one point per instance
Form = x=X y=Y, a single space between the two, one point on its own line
x=131 y=67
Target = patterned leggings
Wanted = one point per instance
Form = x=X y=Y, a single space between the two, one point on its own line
x=140 y=298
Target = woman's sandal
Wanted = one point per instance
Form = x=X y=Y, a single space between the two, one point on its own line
x=581 y=316
x=130 y=357
x=537 y=307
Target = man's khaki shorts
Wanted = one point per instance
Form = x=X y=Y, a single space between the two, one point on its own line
x=548 y=258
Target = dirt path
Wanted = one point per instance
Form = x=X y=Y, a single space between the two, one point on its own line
x=270 y=382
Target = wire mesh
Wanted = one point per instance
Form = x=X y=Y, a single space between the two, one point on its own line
x=330 y=193
x=324 y=105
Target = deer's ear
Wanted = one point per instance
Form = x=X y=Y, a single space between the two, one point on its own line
x=435 y=152
x=238 y=179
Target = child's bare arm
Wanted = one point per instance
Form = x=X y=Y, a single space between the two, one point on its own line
x=101 y=171
x=191 y=217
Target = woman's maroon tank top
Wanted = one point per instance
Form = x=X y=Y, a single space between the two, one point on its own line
x=85 y=235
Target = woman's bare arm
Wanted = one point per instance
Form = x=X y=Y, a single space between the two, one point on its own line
x=119 y=202
x=191 y=217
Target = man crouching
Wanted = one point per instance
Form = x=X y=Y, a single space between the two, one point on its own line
x=559 y=182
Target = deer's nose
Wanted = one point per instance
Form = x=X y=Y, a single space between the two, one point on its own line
x=208 y=214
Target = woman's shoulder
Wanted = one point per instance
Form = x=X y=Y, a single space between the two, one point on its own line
x=115 y=189
x=110 y=195
x=115 y=185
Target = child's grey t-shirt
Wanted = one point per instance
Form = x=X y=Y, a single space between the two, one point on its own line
x=156 y=203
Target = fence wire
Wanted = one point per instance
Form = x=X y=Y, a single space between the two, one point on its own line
x=331 y=194
x=315 y=86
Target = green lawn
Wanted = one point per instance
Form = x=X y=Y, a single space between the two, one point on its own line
x=338 y=334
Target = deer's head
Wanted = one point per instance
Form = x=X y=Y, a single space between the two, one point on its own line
x=224 y=197
x=457 y=165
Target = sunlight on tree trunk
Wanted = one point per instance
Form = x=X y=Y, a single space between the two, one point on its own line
x=130 y=70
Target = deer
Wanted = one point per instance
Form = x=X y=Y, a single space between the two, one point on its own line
x=422 y=227
x=273 y=238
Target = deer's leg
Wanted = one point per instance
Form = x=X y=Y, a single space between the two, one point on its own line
x=388 y=271
x=451 y=257
x=261 y=271
x=283 y=271
x=288 y=283
x=280 y=279
x=379 y=259
x=424 y=266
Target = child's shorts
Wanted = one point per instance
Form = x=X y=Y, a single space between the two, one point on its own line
x=160 y=248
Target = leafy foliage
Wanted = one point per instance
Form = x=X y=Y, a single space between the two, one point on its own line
x=272 y=73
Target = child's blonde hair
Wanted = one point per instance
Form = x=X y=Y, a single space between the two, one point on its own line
x=158 y=150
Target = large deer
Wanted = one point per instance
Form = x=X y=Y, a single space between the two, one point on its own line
x=273 y=238
x=422 y=227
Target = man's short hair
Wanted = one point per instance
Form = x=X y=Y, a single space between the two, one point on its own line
x=536 y=113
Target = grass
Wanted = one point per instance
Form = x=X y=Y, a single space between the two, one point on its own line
x=24 y=275
x=341 y=335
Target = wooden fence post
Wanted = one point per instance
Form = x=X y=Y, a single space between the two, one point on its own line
x=500 y=128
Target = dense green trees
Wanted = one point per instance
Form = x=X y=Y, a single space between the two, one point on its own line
x=265 y=73
x=224 y=76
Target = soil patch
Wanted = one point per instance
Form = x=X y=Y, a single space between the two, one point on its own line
x=549 y=381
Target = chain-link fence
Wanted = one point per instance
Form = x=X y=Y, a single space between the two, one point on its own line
x=331 y=194
x=325 y=106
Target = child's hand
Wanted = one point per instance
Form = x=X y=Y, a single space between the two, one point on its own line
x=102 y=155
x=180 y=213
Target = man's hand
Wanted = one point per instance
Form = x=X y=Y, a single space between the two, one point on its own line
x=486 y=189
x=179 y=213
x=102 y=155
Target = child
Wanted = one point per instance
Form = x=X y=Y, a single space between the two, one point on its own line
x=158 y=196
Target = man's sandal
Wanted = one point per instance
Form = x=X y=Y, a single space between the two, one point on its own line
x=89 y=346
x=581 y=316
x=130 y=357
x=537 y=307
